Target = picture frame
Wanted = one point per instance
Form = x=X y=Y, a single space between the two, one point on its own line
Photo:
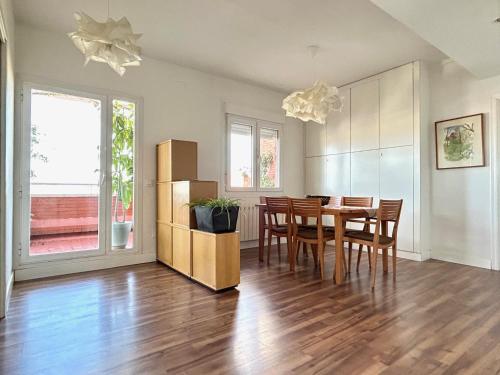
x=460 y=142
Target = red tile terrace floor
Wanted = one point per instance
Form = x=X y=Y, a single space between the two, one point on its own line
x=69 y=242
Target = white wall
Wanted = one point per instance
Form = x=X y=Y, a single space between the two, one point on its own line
x=179 y=103
x=6 y=156
x=461 y=201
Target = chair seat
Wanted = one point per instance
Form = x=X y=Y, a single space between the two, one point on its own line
x=367 y=236
x=313 y=234
x=314 y=227
x=279 y=229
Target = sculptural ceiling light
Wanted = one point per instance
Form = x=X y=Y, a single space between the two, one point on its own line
x=315 y=103
x=111 y=42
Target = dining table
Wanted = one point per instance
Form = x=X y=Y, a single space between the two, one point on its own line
x=341 y=214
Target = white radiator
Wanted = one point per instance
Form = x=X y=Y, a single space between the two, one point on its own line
x=248 y=221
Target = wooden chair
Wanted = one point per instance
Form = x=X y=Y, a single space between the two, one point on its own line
x=388 y=211
x=337 y=201
x=359 y=202
x=275 y=207
x=317 y=237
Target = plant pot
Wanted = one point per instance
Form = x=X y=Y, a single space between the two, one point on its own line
x=120 y=232
x=216 y=220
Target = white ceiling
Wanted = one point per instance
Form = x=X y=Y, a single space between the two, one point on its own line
x=259 y=41
x=463 y=29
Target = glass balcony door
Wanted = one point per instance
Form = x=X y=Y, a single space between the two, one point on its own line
x=64 y=174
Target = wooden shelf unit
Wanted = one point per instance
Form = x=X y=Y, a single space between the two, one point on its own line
x=216 y=259
x=210 y=259
x=184 y=192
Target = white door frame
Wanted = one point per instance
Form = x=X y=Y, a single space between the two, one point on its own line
x=110 y=257
x=4 y=283
x=24 y=168
x=494 y=123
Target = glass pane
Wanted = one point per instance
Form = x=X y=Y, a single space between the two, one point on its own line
x=122 y=203
x=269 y=158
x=241 y=156
x=64 y=173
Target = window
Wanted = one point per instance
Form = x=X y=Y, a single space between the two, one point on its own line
x=78 y=173
x=253 y=154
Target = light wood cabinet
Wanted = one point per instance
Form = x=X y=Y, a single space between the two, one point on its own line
x=181 y=249
x=365 y=116
x=164 y=243
x=216 y=259
x=396 y=107
x=211 y=259
x=164 y=202
x=338 y=126
x=184 y=192
x=315 y=139
x=177 y=160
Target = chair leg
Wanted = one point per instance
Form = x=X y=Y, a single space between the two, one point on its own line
x=394 y=259
x=304 y=250
x=321 y=253
x=374 y=266
x=343 y=258
x=314 y=250
x=350 y=257
x=360 y=251
x=269 y=239
x=369 y=249
x=278 y=238
x=295 y=249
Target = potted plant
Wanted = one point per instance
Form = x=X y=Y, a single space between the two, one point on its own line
x=216 y=215
x=122 y=170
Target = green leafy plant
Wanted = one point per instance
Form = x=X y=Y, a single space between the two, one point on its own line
x=123 y=156
x=222 y=204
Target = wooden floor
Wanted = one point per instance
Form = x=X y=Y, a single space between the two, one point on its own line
x=438 y=318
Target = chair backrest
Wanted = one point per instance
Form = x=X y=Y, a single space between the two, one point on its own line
x=308 y=207
x=275 y=206
x=388 y=211
x=336 y=201
x=357 y=201
x=262 y=199
x=325 y=199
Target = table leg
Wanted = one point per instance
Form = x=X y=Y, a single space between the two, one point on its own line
x=339 y=244
x=262 y=223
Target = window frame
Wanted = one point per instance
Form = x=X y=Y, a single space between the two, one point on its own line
x=105 y=222
x=257 y=126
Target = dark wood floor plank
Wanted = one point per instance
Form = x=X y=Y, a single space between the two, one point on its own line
x=437 y=318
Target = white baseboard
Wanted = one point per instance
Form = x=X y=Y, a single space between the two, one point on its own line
x=462 y=259
x=401 y=253
x=56 y=268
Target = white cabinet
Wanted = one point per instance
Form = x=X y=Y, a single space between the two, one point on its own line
x=365 y=116
x=338 y=126
x=368 y=149
x=396 y=107
x=315 y=175
x=315 y=139
x=338 y=175
x=396 y=182
x=365 y=174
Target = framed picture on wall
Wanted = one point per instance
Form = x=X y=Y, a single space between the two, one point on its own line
x=459 y=142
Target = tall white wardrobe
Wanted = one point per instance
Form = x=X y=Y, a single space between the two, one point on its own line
x=378 y=145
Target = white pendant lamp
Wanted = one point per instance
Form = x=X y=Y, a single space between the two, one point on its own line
x=314 y=103
x=111 y=42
